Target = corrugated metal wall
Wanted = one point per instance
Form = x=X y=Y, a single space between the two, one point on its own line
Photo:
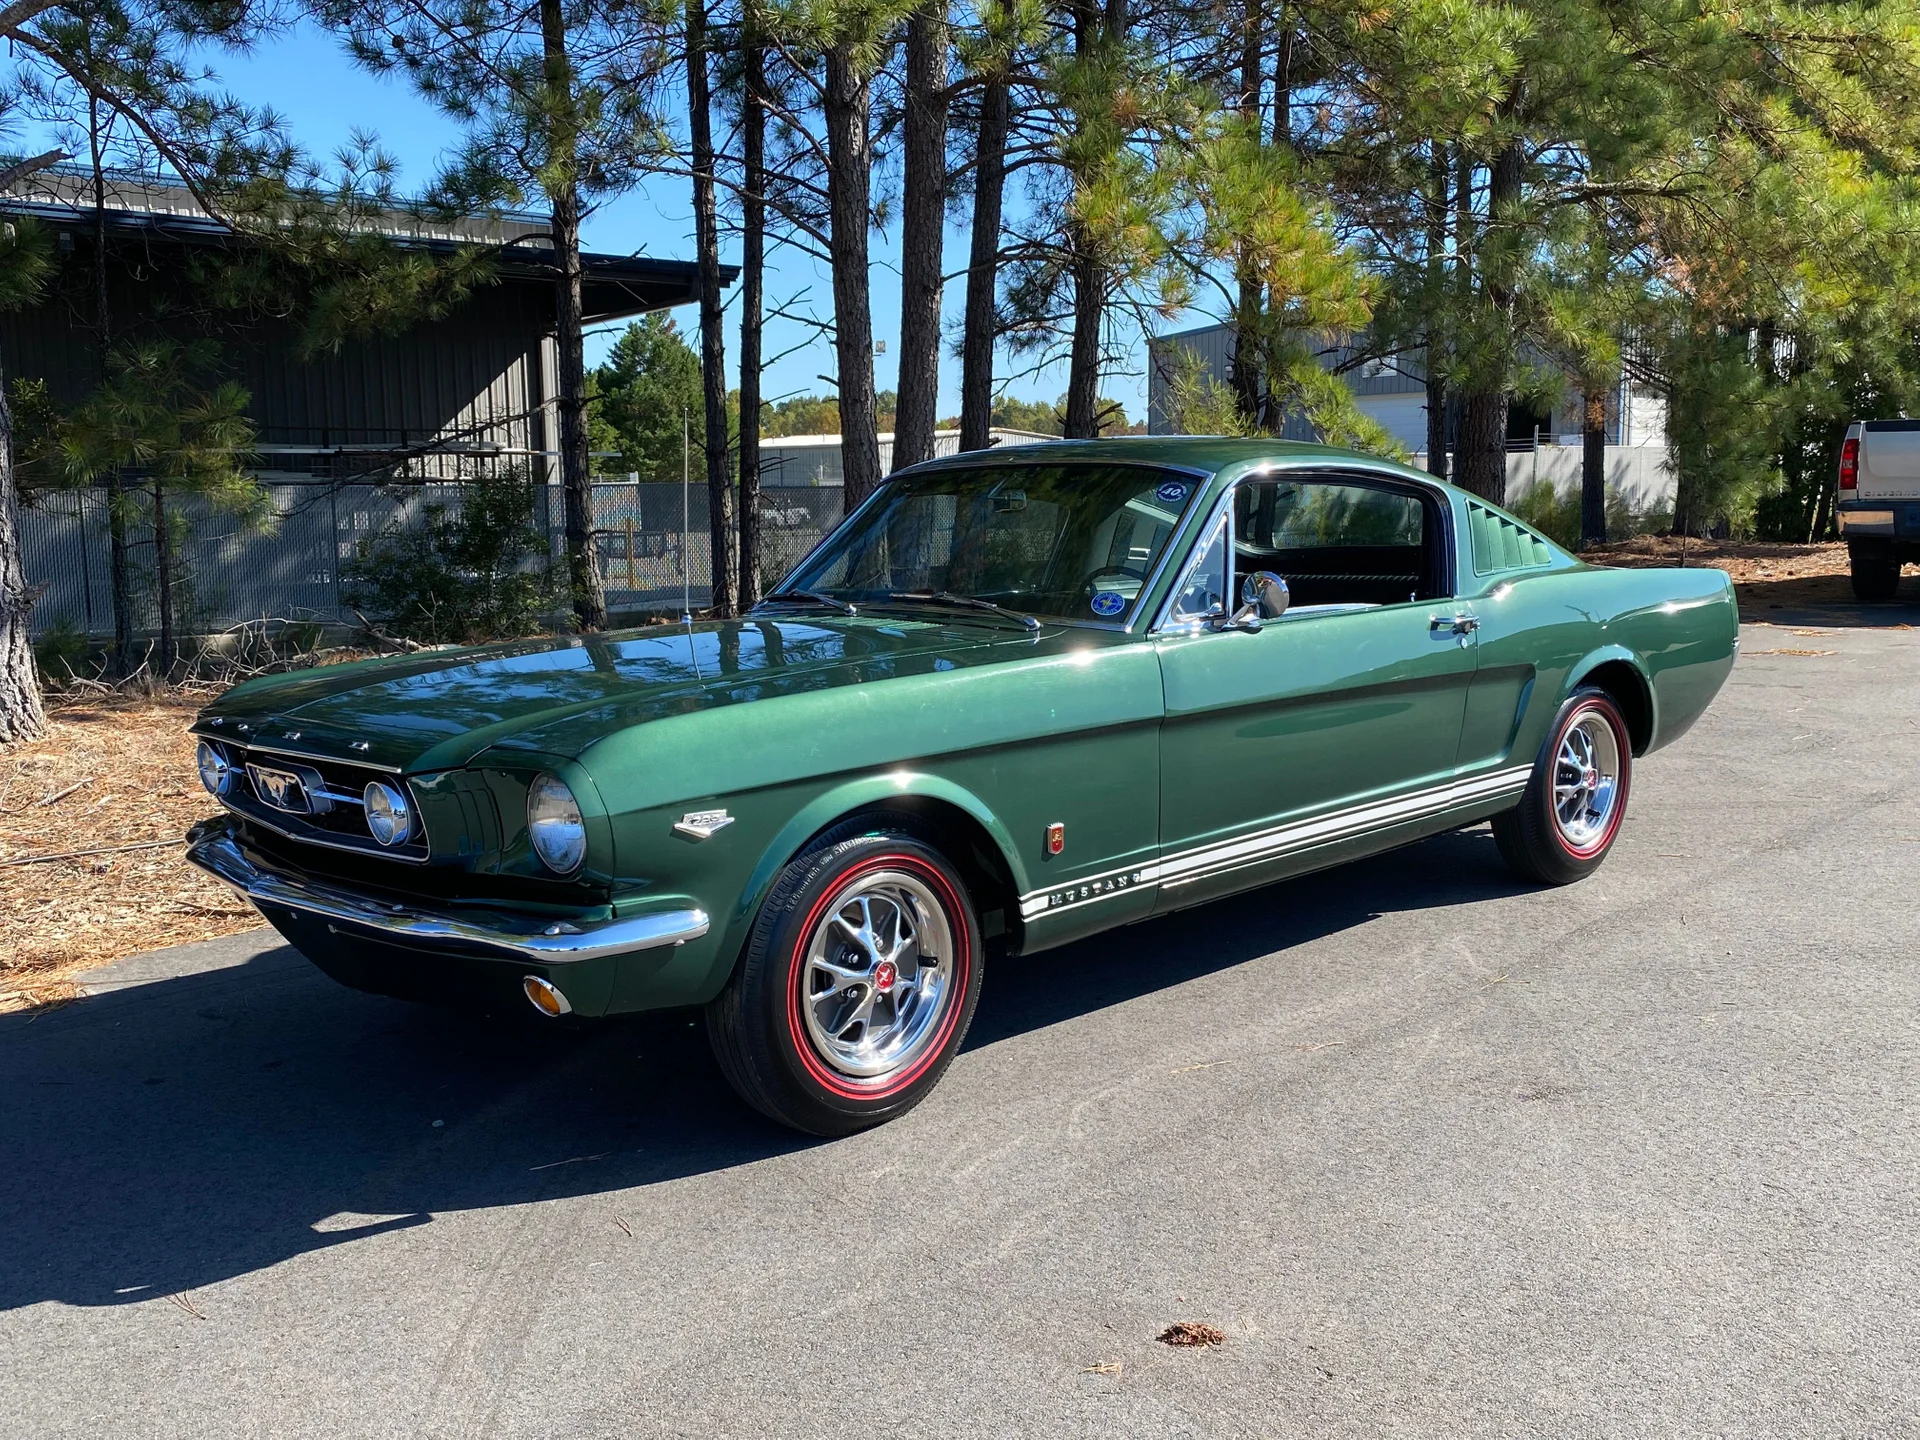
x=476 y=378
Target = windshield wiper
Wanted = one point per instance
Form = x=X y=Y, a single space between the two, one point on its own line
x=970 y=602
x=845 y=607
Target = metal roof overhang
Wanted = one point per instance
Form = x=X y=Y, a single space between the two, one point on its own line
x=612 y=286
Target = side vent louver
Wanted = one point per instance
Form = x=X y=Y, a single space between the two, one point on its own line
x=1503 y=543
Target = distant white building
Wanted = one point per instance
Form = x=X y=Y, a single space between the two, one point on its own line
x=1541 y=446
x=815 y=459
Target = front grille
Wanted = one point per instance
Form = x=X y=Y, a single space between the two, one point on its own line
x=330 y=812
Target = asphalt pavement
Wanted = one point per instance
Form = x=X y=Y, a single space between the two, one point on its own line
x=1439 y=1153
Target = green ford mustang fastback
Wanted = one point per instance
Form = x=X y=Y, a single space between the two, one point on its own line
x=1015 y=699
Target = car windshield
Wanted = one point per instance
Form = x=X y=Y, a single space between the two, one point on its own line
x=1070 y=542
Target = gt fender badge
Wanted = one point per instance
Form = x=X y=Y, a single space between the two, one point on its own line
x=704 y=824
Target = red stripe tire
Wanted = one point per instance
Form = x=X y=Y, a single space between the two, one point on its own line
x=857 y=984
x=1576 y=798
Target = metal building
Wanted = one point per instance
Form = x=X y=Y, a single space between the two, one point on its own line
x=430 y=401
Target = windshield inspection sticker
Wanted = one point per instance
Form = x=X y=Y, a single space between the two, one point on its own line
x=1109 y=602
x=1171 y=493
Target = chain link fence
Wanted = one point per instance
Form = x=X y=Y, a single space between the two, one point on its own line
x=651 y=550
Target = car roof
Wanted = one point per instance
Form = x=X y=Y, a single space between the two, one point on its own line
x=1210 y=454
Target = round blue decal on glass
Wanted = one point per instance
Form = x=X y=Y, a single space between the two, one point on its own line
x=1109 y=602
x=1171 y=493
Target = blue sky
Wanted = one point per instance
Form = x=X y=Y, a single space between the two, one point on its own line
x=326 y=98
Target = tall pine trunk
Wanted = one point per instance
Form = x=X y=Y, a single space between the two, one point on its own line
x=118 y=566
x=163 y=579
x=922 y=228
x=1439 y=171
x=980 y=331
x=1246 y=367
x=1483 y=429
x=1083 y=365
x=563 y=196
x=1593 y=468
x=713 y=345
x=1091 y=31
x=753 y=257
x=21 y=717
x=847 y=106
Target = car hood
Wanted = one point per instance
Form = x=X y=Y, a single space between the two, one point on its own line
x=557 y=696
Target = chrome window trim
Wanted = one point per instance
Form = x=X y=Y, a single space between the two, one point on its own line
x=974 y=459
x=1331 y=475
x=1221 y=516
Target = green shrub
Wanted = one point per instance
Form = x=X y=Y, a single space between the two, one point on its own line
x=61 y=653
x=1557 y=515
x=478 y=571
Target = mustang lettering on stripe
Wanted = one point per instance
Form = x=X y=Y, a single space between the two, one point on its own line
x=1223 y=857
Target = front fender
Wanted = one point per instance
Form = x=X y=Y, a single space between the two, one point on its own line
x=843 y=800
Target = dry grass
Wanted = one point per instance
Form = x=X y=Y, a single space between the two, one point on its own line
x=110 y=772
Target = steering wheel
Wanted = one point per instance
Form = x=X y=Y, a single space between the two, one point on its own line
x=1087 y=580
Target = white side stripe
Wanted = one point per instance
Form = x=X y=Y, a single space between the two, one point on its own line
x=1222 y=857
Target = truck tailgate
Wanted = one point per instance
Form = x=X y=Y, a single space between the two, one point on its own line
x=1890 y=460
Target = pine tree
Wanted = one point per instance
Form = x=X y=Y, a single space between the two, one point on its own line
x=558 y=100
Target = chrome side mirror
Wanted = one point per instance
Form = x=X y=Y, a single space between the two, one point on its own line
x=1263 y=596
x=1266 y=594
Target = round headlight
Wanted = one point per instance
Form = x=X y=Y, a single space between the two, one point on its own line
x=553 y=822
x=389 y=815
x=215 y=773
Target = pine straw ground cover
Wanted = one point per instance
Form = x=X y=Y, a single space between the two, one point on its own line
x=1766 y=575
x=110 y=772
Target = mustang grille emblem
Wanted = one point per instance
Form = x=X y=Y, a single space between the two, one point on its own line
x=298 y=791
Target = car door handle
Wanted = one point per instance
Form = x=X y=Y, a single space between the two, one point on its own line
x=1454 y=624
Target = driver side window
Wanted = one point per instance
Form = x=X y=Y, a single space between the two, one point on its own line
x=1204 y=590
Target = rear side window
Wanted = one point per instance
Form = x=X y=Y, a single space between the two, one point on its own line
x=1501 y=542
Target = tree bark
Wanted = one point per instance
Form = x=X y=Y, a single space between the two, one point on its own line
x=1483 y=439
x=1593 y=468
x=570 y=397
x=979 y=332
x=1440 y=171
x=21 y=717
x=1481 y=445
x=847 y=107
x=922 y=230
x=1083 y=366
x=713 y=344
x=753 y=255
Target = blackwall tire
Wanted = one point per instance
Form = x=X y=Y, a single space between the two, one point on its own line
x=857 y=984
x=1874 y=568
x=1576 y=798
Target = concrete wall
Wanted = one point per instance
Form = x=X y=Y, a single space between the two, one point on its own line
x=1639 y=472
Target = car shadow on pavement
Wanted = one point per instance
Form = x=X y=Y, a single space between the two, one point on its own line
x=179 y=1133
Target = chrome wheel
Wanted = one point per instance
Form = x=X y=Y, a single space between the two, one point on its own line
x=1586 y=780
x=878 y=974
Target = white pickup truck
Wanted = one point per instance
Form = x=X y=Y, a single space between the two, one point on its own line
x=1879 y=507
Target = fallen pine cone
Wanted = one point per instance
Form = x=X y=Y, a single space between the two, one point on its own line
x=1191 y=1332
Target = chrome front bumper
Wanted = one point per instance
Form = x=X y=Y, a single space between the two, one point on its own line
x=509 y=936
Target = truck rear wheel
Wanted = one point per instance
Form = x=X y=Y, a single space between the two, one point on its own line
x=1875 y=565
